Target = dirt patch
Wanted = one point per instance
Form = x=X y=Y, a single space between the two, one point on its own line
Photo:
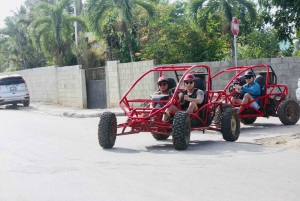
x=285 y=141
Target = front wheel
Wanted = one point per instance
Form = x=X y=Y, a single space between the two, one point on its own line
x=107 y=130
x=230 y=125
x=288 y=112
x=181 y=130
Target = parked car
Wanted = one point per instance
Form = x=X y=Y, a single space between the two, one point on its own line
x=13 y=90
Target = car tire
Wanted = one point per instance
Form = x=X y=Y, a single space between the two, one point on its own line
x=247 y=121
x=181 y=130
x=230 y=125
x=26 y=103
x=107 y=130
x=289 y=112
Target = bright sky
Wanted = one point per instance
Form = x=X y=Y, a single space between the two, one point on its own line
x=7 y=6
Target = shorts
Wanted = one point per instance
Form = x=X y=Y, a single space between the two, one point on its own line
x=254 y=105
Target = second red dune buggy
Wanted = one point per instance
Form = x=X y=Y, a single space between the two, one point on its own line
x=137 y=104
x=273 y=100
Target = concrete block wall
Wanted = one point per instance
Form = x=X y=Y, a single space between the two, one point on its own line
x=72 y=86
x=120 y=77
x=58 y=85
x=287 y=70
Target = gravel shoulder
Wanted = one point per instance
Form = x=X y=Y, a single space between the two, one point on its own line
x=285 y=141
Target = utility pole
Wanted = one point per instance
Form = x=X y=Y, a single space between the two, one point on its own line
x=77 y=11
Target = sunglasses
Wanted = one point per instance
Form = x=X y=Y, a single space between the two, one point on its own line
x=188 y=82
x=162 y=84
x=248 y=78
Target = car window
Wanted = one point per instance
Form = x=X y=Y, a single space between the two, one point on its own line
x=11 y=80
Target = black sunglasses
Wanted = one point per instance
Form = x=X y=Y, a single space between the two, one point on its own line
x=162 y=83
x=188 y=82
x=248 y=77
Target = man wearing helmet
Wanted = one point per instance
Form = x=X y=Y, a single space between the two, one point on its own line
x=251 y=90
x=191 y=97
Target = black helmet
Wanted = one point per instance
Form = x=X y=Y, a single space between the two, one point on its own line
x=249 y=74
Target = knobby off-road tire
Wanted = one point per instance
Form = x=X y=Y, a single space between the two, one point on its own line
x=218 y=114
x=181 y=130
x=289 y=112
x=230 y=125
x=107 y=130
x=247 y=121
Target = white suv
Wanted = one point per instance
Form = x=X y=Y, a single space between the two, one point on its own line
x=13 y=90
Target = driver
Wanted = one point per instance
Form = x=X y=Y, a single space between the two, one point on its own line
x=191 y=97
x=251 y=90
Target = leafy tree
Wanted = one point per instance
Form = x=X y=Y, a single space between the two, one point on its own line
x=17 y=45
x=170 y=39
x=283 y=16
x=258 y=44
x=203 y=10
x=87 y=55
x=98 y=9
x=52 y=28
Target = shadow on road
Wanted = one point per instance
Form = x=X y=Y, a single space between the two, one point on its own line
x=208 y=147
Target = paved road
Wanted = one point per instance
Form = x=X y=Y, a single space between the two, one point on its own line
x=47 y=157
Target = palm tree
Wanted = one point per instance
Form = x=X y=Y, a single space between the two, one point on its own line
x=22 y=53
x=203 y=9
x=52 y=29
x=97 y=10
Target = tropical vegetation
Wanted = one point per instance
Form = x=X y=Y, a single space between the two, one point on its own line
x=42 y=32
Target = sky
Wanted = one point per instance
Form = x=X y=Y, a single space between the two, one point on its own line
x=9 y=5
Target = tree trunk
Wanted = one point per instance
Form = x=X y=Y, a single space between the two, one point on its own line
x=124 y=29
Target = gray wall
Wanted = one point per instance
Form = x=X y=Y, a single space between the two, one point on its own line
x=121 y=76
x=58 y=85
x=67 y=85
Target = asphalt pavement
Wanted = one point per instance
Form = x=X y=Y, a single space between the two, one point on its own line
x=60 y=110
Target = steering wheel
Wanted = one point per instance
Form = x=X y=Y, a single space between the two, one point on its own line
x=171 y=93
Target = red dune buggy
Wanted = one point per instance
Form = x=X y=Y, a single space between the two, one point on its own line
x=143 y=117
x=273 y=100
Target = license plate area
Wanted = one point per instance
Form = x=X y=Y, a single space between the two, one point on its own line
x=13 y=88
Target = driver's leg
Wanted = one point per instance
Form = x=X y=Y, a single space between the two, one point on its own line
x=172 y=108
x=192 y=107
x=247 y=98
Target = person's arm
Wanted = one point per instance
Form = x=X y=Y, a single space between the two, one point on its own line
x=253 y=89
x=199 y=99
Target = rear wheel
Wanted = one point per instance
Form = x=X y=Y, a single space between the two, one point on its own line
x=230 y=125
x=181 y=130
x=26 y=103
x=247 y=121
x=160 y=137
x=289 y=112
x=107 y=130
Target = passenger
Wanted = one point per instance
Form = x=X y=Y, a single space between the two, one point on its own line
x=251 y=90
x=192 y=97
x=163 y=89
